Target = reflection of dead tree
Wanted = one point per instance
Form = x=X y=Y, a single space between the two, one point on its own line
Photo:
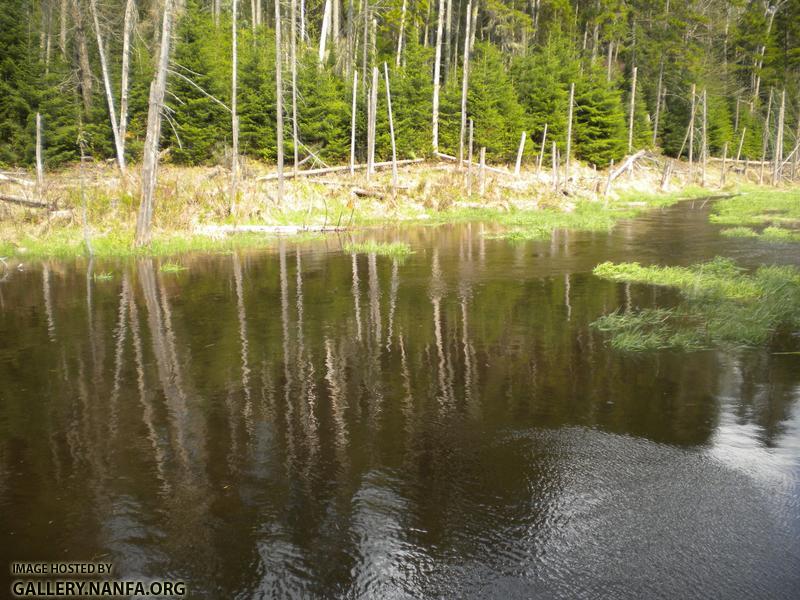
x=148 y=412
x=334 y=375
x=169 y=374
x=356 y=297
x=248 y=407
x=395 y=284
x=120 y=333
x=48 y=303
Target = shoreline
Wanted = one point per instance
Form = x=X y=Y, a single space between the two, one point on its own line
x=192 y=214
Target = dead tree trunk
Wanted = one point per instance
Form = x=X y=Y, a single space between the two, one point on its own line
x=234 y=116
x=569 y=133
x=765 y=139
x=482 y=171
x=293 y=58
x=436 y=77
x=778 y=153
x=400 y=35
x=39 y=164
x=741 y=143
x=84 y=66
x=353 y=125
x=127 y=30
x=632 y=111
x=541 y=154
x=659 y=93
x=518 y=164
x=469 y=159
x=323 y=34
x=464 y=88
x=279 y=98
x=158 y=88
x=704 y=148
x=373 y=111
x=391 y=130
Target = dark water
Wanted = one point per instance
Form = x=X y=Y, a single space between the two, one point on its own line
x=302 y=423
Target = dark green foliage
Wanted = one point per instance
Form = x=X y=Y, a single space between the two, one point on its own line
x=600 y=134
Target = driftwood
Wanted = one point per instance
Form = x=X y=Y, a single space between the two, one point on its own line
x=308 y=172
x=22 y=201
x=627 y=164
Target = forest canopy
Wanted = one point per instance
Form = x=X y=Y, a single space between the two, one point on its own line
x=76 y=61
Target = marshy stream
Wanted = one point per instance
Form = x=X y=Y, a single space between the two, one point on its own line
x=301 y=422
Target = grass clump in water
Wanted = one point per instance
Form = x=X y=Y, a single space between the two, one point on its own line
x=171 y=267
x=724 y=306
x=522 y=235
x=745 y=232
x=769 y=234
x=395 y=249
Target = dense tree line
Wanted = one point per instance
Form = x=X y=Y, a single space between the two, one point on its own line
x=523 y=56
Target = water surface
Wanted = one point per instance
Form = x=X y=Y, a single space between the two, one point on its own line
x=305 y=423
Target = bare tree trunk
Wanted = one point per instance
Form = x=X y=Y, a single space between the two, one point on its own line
x=39 y=164
x=609 y=62
x=279 y=97
x=448 y=27
x=353 y=125
x=302 y=21
x=127 y=30
x=469 y=158
x=62 y=32
x=216 y=10
x=760 y=55
x=335 y=29
x=518 y=164
x=400 y=35
x=464 y=87
x=158 y=88
x=691 y=135
x=741 y=143
x=482 y=171
x=724 y=165
x=437 y=77
x=778 y=153
x=569 y=133
x=391 y=130
x=704 y=148
x=84 y=66
x=555 y=168
x=112 y=112
x=659 y=93
x=765 y=139
x=234 y=115
x=632 y=110
x=323 y=34
x=373 y=103
x=541 y=154
x=293 y=58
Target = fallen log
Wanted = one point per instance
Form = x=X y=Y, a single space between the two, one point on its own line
x=17 y=180
x=19 y=200
x=322 y=171
x=627 y=164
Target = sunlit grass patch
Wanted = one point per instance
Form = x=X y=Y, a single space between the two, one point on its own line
x=105 y=276
x=723 y=305
x=395 y=249
x=760 y=207
x=743 y=232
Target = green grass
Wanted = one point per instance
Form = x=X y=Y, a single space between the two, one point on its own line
x=171 y=267
x=106 y=276
x=395 y=249
x=759 y=207
x=723 y=305
x=744 y=232
x=769 y=234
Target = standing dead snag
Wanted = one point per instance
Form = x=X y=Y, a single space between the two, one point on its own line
x=464 y=85
x=107 y=85
x=691 y=134
x=541 y=154
x=234 y=117
x=279 y=99
x=765 y=139
x=353 y=125
x=293 y=59
x=158 y=88
x=39 y=165
x=704 y=148
x=391 y=130
x=632 y=111
x=518 y=164
x=778 y=153
x=436 y=78
x=569 y=133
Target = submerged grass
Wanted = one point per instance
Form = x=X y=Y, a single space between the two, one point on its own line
x=395 y=249
x=724 y=306
x=171 y=267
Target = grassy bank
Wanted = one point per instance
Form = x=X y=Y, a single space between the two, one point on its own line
x=723 y=305
x=768 y=215
x=519 y=209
